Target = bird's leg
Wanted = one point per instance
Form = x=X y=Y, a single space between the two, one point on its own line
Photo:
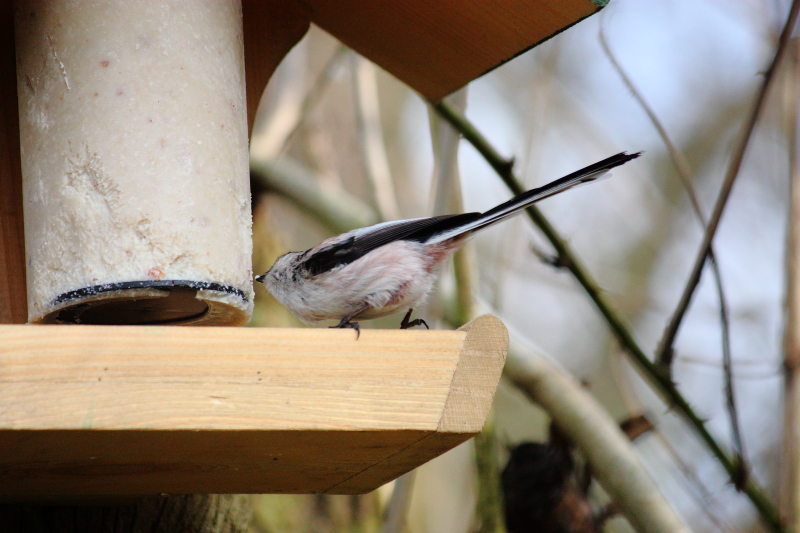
x=345 y=322
x=405 y=324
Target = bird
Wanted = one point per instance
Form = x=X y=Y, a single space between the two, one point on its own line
x=379 y=270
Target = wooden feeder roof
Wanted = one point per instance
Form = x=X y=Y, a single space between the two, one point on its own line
x=438 y=47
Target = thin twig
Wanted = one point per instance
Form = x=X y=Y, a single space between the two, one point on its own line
x=294 y=106
x=445 y=141
x=334 y=206
x=660 y=380
x=664 y=355
x=488 y=507
x=398 y=504
x=682 y=167
x=706 y=499
x=315 y=93
x=370 y=137
x=790 y=467
x=447 y=199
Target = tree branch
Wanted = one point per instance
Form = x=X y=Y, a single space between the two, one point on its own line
x=790 y=463
x=447 y=199
x=397 y=509
x=657 y=377
x=370 y=137
x=665 y=357
x=332 y=205
x=671 y=331
x=578 y=415
x=282 y=127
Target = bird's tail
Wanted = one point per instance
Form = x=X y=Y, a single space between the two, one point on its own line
x=513 y=206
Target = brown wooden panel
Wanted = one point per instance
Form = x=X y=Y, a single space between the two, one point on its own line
x=271 y=29
x=13 y=295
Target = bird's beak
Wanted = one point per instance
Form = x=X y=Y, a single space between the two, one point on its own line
x=260 y=278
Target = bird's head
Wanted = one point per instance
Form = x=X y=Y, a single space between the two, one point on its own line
x=282 y=273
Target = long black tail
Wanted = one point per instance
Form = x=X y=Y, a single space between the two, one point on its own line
x=511 y=207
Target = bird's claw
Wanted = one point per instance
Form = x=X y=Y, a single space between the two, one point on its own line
x=405 y=324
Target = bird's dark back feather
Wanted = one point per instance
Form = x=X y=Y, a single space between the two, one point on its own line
x=357 y=246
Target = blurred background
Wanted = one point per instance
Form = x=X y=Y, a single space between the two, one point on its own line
x=338 y=143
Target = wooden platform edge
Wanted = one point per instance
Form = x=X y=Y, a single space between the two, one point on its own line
x=476 y=377
x=466 y=409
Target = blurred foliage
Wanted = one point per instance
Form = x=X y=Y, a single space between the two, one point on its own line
x=315 y=513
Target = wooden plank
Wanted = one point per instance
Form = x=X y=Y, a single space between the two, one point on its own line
x=438 y=47
x=13 y=294
x=137 y=463
x=107 y=410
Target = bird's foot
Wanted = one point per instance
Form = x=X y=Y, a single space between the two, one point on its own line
x=345 y=323
x=405 y=324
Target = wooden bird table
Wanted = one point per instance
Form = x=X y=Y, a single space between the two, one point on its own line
x=142 y=410
x=105 y=411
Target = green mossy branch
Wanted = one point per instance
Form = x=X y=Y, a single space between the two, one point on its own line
x=655 y=374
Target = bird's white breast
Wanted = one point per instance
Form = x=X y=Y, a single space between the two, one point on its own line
x=398 y=275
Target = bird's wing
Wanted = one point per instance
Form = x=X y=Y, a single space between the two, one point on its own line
x=360 y=242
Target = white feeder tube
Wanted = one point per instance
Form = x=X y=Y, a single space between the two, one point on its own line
x=135 y=164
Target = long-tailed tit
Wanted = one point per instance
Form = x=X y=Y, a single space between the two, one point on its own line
x=378 y=270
